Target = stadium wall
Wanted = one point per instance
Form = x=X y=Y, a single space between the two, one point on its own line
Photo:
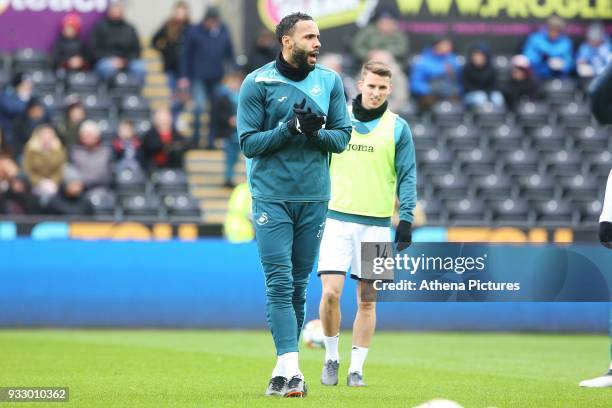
x=210 y=283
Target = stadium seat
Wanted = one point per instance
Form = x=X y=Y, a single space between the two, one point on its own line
x=448 y=114
x=28 y=59
x=489 y=114
x=450 y=185
x=5 y=62
x=462 y=136
x=433 y=210
x=521 y=162
x=45 y=82
x=548 y=138
x=124 y=84
x=505 y=138
x=575 y=115
x=141 y=207
x=170 y=181
x=554 y=213
x=593 y=139
x=130 y=182
x=141 y=125
x=559 y=92
x=82 y=83
x=410 y=113
x=425 y=137
x=97 y=107
x=563 y=162
x=476 y=161
x=599 y=163
x=510 y=213
x=502 y=65
x=537 y=187
x=492 y=186
x=589 y=213
x=466 y=212
x=532 y=114
x=435 y=161
x=182 y=208
x=135 y=107
x=103 y=203
x=579 y=188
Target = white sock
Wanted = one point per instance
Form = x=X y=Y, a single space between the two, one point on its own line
x=331 y=348
x=289 y=365
x=358 y=356
x=279 y=368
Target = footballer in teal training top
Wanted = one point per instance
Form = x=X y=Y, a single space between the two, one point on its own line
x=292 y=115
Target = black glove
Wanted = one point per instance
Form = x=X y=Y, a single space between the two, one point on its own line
x=403 y=235
x=605 y=234
x=308 y=122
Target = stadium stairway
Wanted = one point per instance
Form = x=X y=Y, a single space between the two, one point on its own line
x=205 y=168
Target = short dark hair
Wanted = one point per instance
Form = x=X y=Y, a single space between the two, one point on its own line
x=377 y=68
x=287 y=25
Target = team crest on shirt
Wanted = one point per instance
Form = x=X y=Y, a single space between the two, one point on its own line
x=263 y=219
x=316 y=90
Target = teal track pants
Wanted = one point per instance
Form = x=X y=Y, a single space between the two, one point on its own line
x=288 y=236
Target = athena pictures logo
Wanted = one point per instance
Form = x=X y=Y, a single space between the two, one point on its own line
x=263 y=219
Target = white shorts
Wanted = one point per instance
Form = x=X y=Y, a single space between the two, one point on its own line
x=341 y=246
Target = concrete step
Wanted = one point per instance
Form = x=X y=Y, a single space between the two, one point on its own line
x=156 y=92
x=214 y=179
x=208 y=192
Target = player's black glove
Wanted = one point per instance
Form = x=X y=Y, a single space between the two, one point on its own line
x=309 y=122
x=403 y=235
x=605 y=234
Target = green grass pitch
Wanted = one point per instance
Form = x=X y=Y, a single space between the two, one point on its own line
x=156 y=368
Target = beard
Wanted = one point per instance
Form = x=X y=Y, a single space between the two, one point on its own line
x=300 y=57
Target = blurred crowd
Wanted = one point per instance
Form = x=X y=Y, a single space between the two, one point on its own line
x=51 y=165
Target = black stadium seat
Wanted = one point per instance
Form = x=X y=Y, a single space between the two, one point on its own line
x=450 y=185
x=563 y=162
x=521 y=162
x=476 y=161
x=135 y=107
x=489 y=114
x=130 y=182
x=590 y=212
x=506 y=138
x=103 y=203
x=45 y=82
x=579 y=188
x=554 y=213
x=592 y=138
x=599 y=163
x=141 y=207
x=182 y=208
x=466 y=212
x=82 y=83
x=548 y=138
x=28 y=59
x=462 y=136
x=124 y=84
x=537 y=187
x=435 y=161
x=575 y=115
x=510 y=212
x=170 y=181
x=559 y=92
x=533 y=114
x=425 y=137
x=448 y=114
x=97 y=107
x=492 y=186
x=433 y=211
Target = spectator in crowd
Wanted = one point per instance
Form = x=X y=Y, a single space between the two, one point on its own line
x=69 y=52
x=70 y=199
x=18 y=199
x=334 y=61
x=161 y=146
x=126 y=147
x=8 y=170
x=435 y=74
x=75 y=115
x=227 y=105
x=43 y=161
x=399 y=96
x=205 y=49
x=593 y=54
x=115 y=46
x=479 y=78
x=382 y=34
x=167 y=40
x=91 y=158
x=521 y=86
x=263 y=51
x=549 y=50
x=35 y=114
x=13 y=102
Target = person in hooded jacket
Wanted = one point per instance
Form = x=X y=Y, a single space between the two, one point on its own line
x=479 y=79
x=522 y=85
x=69 y=52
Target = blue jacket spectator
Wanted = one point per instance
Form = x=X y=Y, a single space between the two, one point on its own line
x=206 y=47
x=13 y=103
x=550 y=51
x=594 y=53
x=435 y=74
